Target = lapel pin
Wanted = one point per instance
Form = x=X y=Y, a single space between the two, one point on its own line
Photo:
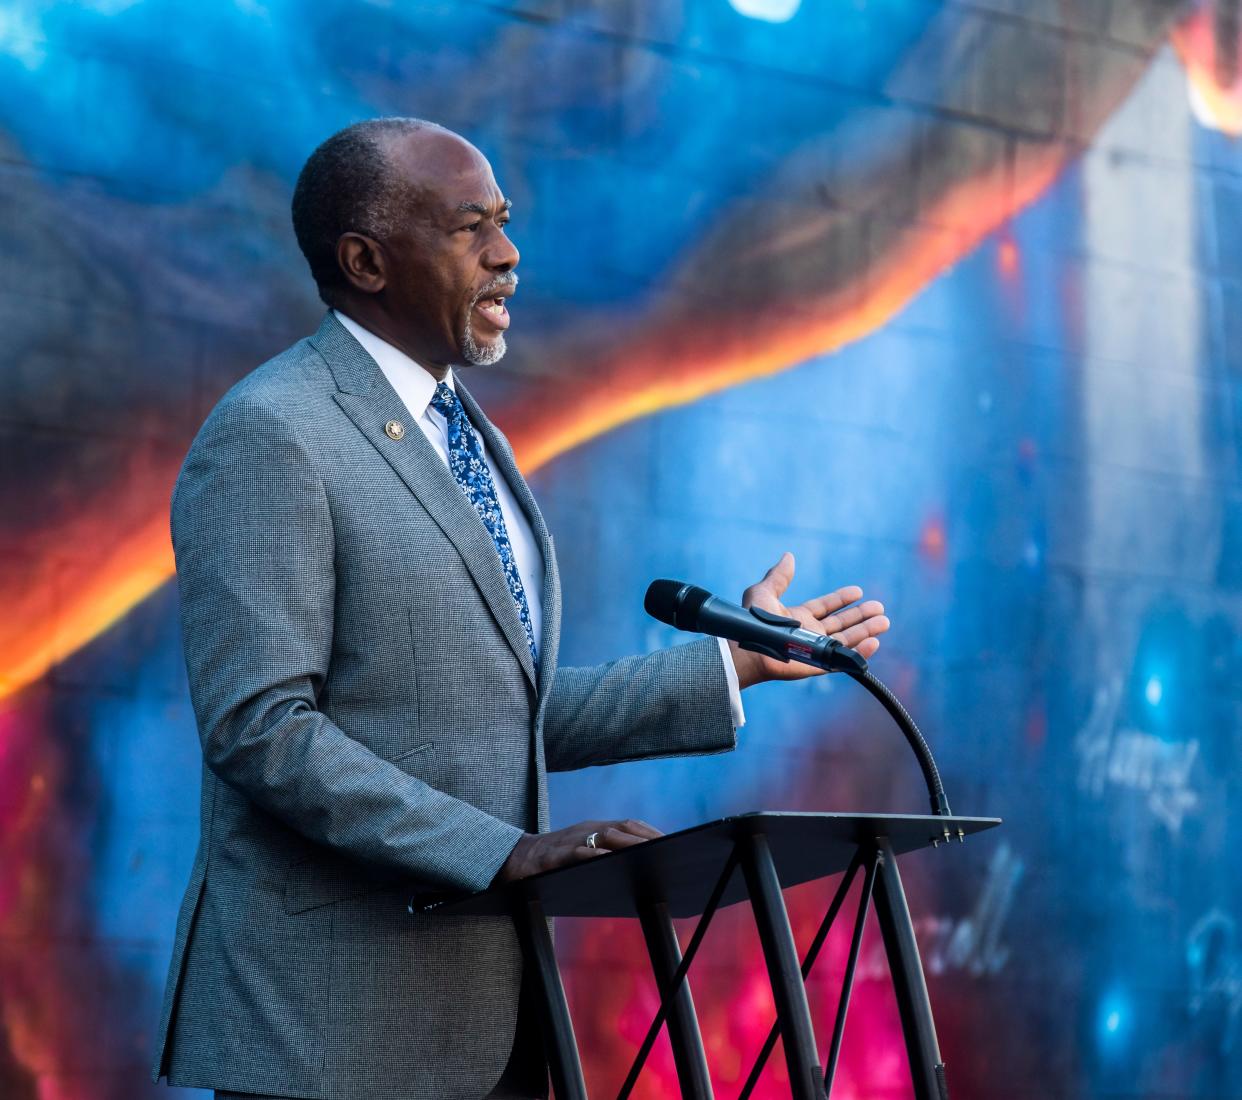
x=394 y=430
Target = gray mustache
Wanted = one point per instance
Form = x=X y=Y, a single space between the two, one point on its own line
x=508 y=279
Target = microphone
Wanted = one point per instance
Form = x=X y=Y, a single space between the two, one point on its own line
x=688 y=607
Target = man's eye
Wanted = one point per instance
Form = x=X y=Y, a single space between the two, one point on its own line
x=473 y=227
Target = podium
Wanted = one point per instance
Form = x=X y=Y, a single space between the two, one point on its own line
x=697 y=871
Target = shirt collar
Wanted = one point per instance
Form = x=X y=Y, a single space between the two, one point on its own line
x=414 y=385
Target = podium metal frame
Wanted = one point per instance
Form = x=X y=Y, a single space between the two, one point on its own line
x=772 y=851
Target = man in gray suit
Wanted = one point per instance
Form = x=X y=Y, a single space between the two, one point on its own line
x=371 y=611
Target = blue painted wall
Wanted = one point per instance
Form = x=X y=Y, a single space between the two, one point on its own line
x=948 y=293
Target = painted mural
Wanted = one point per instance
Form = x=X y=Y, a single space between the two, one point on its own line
x=944 y=296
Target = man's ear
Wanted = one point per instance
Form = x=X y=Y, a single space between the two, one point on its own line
x=362 y=262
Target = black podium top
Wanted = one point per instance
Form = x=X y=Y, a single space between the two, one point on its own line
x=681 y=868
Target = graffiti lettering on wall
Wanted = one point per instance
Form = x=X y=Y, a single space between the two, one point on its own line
x=1215 y=965
x=1123 y=758
x=972 y=943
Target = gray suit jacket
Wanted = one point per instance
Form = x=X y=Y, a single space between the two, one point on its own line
x=371 y=724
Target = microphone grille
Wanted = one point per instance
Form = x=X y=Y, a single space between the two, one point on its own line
x=675 y=603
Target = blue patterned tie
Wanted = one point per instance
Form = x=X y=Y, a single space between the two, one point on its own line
x=469 y=467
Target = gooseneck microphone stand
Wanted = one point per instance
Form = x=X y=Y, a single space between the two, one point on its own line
x=918 y=743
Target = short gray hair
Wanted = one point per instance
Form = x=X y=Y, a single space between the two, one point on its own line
x=347 y=186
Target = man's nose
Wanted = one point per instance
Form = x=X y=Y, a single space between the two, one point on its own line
x=502 y=255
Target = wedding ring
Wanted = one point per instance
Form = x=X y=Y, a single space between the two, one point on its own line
x=591 y=840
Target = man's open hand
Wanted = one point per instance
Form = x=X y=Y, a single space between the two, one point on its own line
x=543 y=852
x=857 y=627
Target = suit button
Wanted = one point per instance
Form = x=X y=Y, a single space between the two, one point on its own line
x=394 y=429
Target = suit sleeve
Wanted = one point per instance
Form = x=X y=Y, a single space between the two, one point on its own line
x=671 y=703
x=253 y=537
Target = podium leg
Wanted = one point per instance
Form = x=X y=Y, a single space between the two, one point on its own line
x=851 y=965
x=683 y=1024
x=788 y=990
x=558 y=1030
x=922 y=1049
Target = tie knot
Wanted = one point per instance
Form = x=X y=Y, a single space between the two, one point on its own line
x=445 y=402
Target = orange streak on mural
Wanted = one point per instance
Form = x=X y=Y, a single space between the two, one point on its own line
x=89 y=594
x=635 y=381
x=646 y=382
x=1215 y=96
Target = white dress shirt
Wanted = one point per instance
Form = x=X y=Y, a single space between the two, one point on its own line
x=416 y=387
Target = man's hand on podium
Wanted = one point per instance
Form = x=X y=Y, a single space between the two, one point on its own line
x=857 y=627
x=545 y=851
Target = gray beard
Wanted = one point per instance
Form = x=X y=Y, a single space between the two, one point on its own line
x=480 y=355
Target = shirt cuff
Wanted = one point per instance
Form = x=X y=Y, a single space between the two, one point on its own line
x=735 y=690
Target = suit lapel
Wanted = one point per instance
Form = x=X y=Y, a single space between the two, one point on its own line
x=370 y=402
x=502 y=455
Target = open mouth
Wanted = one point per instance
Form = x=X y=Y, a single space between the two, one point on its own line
x=493 y=311
x=490 y=304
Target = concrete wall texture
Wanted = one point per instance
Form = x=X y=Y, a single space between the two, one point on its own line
x=942 y=295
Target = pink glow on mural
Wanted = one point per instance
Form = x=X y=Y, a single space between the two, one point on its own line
x=933 y=542
x=44 y=1020
x=733 y=1000
x=1008 y=258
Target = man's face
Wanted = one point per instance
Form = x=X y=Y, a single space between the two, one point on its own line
x=450 y=265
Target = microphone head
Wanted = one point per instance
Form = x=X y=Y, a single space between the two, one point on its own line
x=675 y=603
